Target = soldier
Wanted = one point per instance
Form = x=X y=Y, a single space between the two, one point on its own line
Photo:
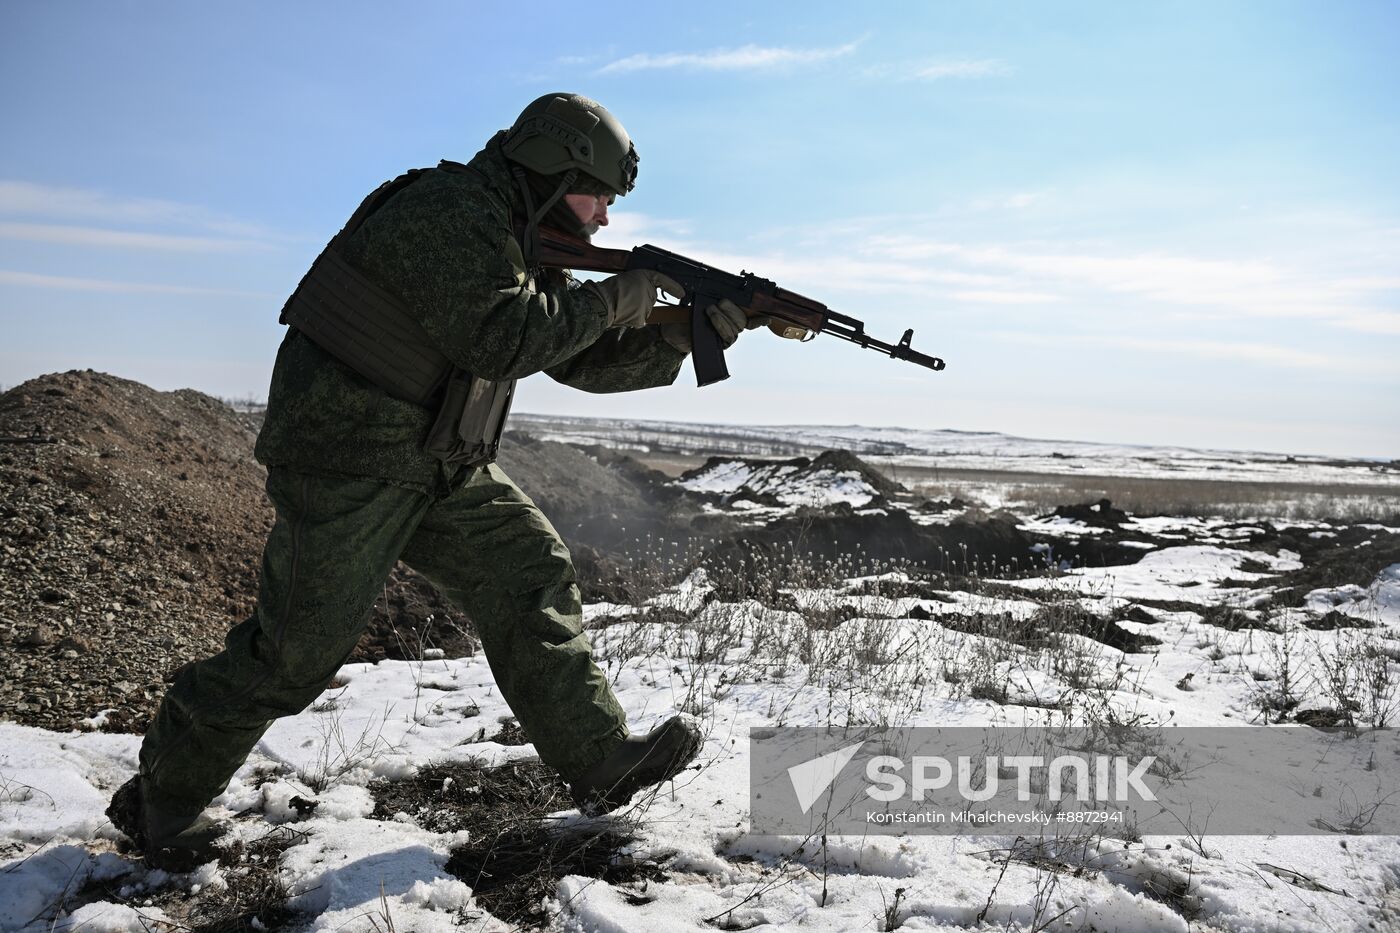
x=385 y=411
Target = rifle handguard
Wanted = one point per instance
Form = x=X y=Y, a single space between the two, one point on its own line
x=674 y=314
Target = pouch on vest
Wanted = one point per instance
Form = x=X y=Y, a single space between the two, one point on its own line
x=471 y=419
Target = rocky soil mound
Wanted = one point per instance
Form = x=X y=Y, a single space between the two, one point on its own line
x=131 y=531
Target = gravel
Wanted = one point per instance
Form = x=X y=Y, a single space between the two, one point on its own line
x=131 y=531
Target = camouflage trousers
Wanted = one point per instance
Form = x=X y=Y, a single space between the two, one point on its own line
x=486 y=547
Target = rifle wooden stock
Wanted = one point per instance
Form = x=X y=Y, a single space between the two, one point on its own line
x=561 y=251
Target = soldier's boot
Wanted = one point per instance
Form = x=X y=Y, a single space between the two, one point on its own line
x=169 y=841
x=641 y=761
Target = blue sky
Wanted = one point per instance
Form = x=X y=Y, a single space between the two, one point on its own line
x=1172 y=224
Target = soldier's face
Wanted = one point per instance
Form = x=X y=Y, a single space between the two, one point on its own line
x=591 y=210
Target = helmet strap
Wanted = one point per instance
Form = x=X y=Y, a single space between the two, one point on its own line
x=531 y=246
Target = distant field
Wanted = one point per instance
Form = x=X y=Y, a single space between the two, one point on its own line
x=1141 y=496
x=1152 y=496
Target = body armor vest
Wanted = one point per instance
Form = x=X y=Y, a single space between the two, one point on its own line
x=359 y=323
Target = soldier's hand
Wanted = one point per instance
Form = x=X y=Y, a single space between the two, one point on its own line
x=630 y=296
x=728 y=320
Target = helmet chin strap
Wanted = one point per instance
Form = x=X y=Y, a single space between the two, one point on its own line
x=531 y=246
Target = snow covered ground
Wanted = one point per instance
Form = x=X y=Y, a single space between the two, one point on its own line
x=900 y=653
x=789 y=485
x=1196 y=622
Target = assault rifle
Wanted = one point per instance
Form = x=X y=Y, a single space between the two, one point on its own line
x=793 y=315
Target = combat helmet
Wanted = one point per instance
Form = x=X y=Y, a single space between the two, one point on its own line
x=559 y=133
x=564 y=143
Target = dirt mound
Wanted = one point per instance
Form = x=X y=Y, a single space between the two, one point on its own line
x=833 y=478
x=606 y=507
x=1099 y=514
x=655 y=485
x=629 y=527
x=131 y=532
x=841 y=536
x=843 y=461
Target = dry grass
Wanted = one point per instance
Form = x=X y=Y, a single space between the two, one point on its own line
x=515 y=855
x=249 y=893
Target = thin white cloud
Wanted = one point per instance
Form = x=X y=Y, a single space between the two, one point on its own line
x=1004 y=297
x=1248 y=287
x=983 y=68
x=1233 y=351
x=22 y=197
x=939 y=69
x=811 y=263
x=28 y=199
x=1375 y=282
x=1022 y=200
x=843 y=271
x=73 y=283
x=629 y=229
x=849 y=264
x=745 y=58
x=1372 y=322
x=123 y=239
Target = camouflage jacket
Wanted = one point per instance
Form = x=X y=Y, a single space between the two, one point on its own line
x=445 y=245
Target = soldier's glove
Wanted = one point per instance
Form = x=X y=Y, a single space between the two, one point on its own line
x=728 y=320
x=630 y=296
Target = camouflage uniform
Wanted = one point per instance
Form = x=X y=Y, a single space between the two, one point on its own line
x=354 y=492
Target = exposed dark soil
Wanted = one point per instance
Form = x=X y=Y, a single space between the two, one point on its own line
x=253 y=896
x=515 y=857
x=1334 y=620
x=1099 y=514
x=838 y=534
x=1354 y=557
x=1041 y=630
